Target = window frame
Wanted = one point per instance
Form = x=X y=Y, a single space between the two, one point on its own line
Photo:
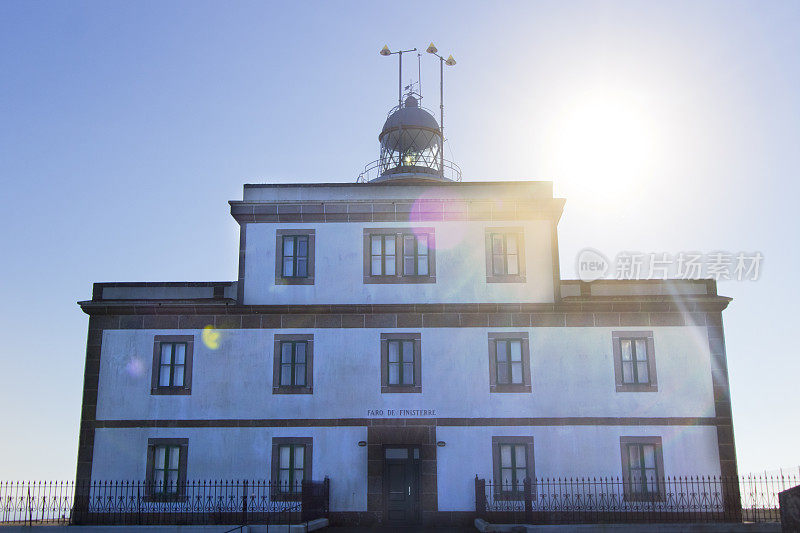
x=307 y=442
x=630 y=495
x=399 y=255
x=183 y=452
x=186 y=388
x=279 y=340
x=415 y=387
x=514 y=493
x=494 y=385
x=621 y=386
x=520 y=277
x=280 y=279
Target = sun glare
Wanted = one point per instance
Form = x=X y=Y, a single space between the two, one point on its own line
x=603 y=145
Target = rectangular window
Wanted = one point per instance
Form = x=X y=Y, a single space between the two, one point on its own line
x=634 y=361
x=513 y=463
x=166 y=468
x=415 y=255
x=293 y=364
x=642 y=468
x=290 y=467
x=399 y=255
x=291 y=464
x=294 y=257
x=172 y=364
x=384 y=252
x=401 y=362
x=509 y=362
x=505 y=255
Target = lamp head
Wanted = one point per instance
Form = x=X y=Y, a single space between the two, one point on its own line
x=450 y=61
x=432 y=49
x=385 y=50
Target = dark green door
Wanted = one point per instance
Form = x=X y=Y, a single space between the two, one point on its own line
x=401 y=484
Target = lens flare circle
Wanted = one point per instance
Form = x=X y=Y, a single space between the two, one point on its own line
x=211 y=337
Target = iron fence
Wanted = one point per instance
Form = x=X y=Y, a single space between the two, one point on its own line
x=614 y=500
x=137 y=502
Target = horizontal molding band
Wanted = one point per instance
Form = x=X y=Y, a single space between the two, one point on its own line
x=403 y=320
x=666 y=312
x=398 y=210
x=367 y=422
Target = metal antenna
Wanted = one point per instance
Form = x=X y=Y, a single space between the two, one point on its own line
x=386 y=52
x=442 y=62
x=419 y=74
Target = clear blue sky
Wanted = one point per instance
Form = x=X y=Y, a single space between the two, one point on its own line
x=126 y=126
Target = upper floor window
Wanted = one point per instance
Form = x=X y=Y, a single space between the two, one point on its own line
x=642 y=468
x=505 y=255
x=512 y=459
x=291 y=464
x=634 y=361
x=403 y=255
x=509 y=362
x=293 y=364
x=172 y=364
x=166 y=468
x=400 y=362
x=294 y=257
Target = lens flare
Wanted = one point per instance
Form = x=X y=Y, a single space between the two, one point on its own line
x=135 y=367
x=211 y=337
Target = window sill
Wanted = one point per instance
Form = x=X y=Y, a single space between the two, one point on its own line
x=292 y=390
x=399 y=279
x=389 y=389
x=506 y=279
x=165 y=498
x=285 y=496
x=504 y=388
x=171 y=391
x=644 y=498
x=513 y=496
x=294 y=281
x=637 y=387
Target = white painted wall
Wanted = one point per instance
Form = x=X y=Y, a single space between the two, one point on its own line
x=245 y=453
x=565 y=451
x=572 y=375
x=239 y=454
x=339 y=270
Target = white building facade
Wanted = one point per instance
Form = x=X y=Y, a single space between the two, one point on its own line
x=402 y=337
x=482 y=346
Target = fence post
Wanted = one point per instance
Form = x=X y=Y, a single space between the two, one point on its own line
x=30 y=511
x=480 y=497
x=327 y=485
x=528 y=503
x=244 y=503
x=306 y=489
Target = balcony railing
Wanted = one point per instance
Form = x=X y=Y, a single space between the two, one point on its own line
x=613 y=500
x=137 y=502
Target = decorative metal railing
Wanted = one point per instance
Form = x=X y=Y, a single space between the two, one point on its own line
x=374 y=169
x=136 y=502
x=613 y=500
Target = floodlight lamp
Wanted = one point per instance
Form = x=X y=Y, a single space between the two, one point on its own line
x=450 y=61
x=432 y=49
x=385 y=51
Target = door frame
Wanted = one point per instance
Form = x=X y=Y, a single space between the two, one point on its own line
x=413 y=464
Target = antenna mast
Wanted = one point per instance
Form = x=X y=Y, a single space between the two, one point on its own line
x=386 y=52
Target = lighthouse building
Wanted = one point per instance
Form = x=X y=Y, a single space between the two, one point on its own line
x=400 y=336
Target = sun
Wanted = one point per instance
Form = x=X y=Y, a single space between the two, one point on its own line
x=603 y=144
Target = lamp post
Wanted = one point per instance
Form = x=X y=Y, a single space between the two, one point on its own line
x=442 y=62
x=386 y=52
